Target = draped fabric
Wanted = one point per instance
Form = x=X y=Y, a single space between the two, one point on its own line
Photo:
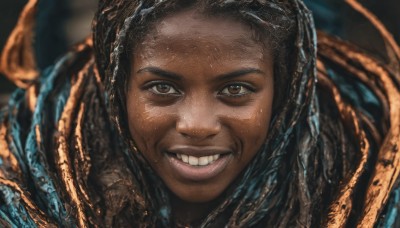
x=331 y=159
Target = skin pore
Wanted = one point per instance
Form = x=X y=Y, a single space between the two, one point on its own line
x=199 y=103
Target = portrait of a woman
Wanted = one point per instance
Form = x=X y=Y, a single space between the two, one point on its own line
x=223 y=113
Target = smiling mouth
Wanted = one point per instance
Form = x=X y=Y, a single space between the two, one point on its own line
x=198 y=164
x=198 y=161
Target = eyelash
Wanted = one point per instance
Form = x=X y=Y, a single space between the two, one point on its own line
x=243 y=86
x=152 y=87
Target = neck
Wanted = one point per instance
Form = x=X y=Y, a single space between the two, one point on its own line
x=189 y=212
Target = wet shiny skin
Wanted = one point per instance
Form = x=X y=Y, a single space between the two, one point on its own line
x=202 y=82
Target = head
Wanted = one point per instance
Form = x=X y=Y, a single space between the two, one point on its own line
x=199 y=88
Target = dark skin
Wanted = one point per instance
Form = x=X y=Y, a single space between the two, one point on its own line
x=200 y=86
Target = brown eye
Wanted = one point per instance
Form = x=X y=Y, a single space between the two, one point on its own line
x=162 y=88
x=235 y=90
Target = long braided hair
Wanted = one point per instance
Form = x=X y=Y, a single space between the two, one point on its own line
x=69 y=160
x=289 y=27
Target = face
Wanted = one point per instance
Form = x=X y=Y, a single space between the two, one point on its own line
x=199 y=102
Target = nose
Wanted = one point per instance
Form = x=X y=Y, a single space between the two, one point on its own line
x=198 y=121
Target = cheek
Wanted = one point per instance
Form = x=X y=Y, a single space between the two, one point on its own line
x=253 y=120
x=250 y=126
x=253 y=129
x=147 y=124
x=259 y=125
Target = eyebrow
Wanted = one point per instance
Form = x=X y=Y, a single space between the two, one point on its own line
x=161 y=73
x=238 y=73
x=170 y=75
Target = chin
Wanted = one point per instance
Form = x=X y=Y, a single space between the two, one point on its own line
x=196 y=195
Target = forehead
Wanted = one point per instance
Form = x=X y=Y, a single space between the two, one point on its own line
x=190 y=31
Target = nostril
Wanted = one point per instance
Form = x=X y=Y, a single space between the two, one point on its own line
x=198 y=129
x=198 y=134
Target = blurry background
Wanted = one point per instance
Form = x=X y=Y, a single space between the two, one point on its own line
x=62 y=23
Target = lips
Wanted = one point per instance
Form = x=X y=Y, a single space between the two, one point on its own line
x=198 y=163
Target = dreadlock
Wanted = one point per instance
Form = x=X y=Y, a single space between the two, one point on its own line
x=331 y=145
x=271 y=17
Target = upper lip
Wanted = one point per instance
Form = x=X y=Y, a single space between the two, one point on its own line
x=198 y=151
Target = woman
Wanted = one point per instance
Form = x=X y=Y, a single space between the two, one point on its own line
x=217 y=119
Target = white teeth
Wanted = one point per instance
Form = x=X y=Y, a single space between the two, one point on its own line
x=193 y=160
x=203 y=160
x=185 y=158
x=198 y=161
